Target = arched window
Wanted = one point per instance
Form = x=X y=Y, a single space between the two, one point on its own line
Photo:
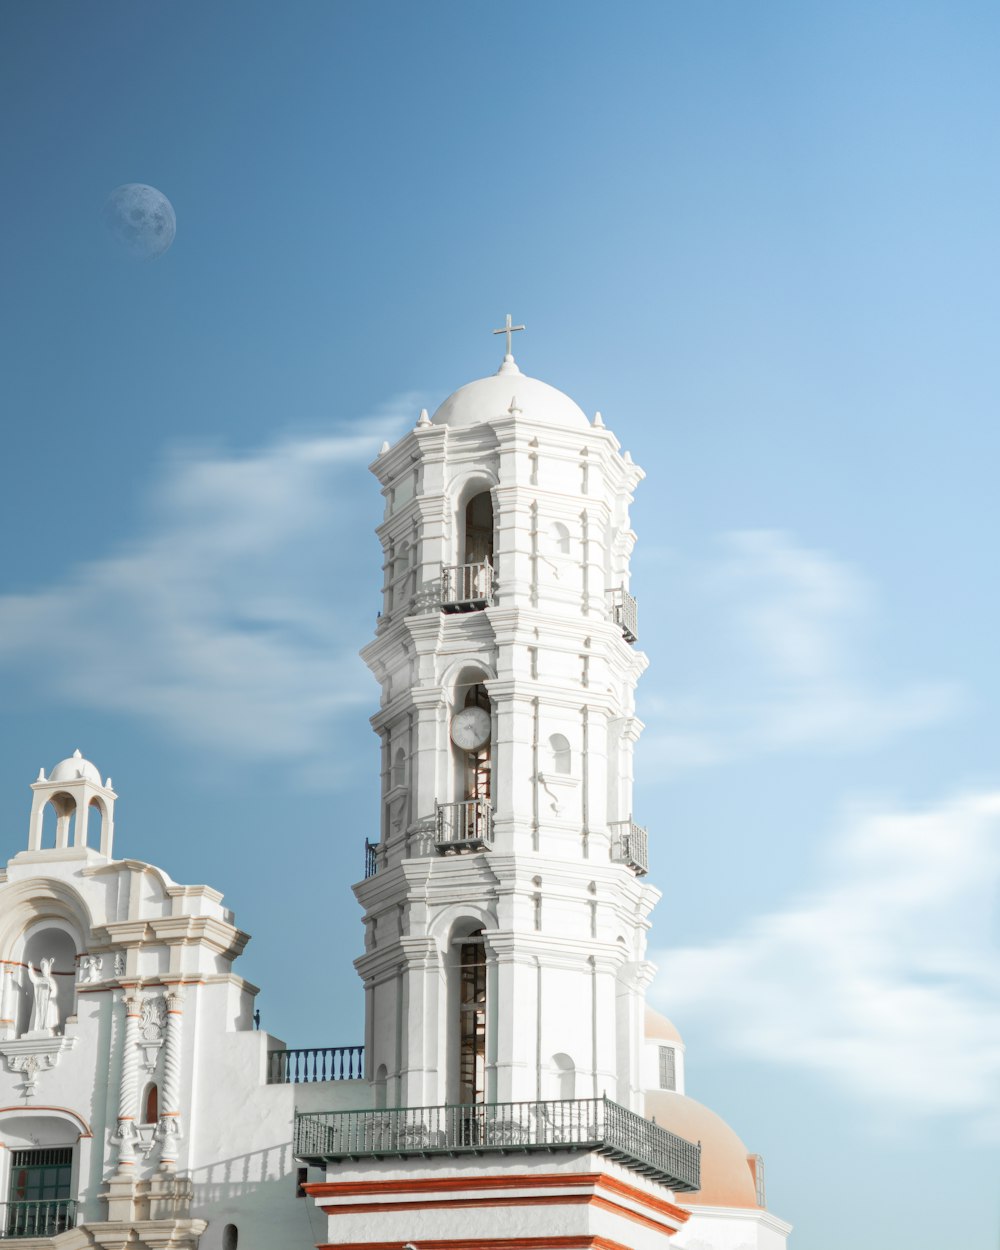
x=151 y=1104
x=562 y=756
x=399 y=769
x=230 y=1237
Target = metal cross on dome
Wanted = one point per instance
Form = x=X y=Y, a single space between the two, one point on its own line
x=508 y=329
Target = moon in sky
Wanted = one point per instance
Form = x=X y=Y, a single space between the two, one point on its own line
x=141 y=219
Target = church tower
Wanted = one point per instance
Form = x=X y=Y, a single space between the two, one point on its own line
x=505 y=904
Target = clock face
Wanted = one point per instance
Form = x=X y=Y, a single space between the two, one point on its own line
x=470 y=728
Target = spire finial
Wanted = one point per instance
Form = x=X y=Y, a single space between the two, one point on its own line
x=508 y=329
x=77 y=755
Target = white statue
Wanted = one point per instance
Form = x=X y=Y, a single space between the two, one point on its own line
x=90 y=968
x=44 y=1012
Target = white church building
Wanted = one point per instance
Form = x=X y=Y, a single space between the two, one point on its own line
x=513 y=1091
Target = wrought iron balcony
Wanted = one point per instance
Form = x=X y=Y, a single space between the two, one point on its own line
x=44 y=1217
x=315 y=1063
x=593 y=1124
x=625 y=613
x=630 y=845
x=371 y=858
x=466 y=587
x=465 y=826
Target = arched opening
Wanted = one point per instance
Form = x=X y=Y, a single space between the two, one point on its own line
x=477 y=545
x=471 y=752
x=560 y=754
x=48 y=985
x=230 y=1237
x=57 y=818
x=381 y=1080
x=565 y=1074
x=472 y=1019
x=399 y=768
x=96 y=823
x=151 y=1104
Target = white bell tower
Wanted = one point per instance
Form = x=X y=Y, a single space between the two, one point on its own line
x=505 y=907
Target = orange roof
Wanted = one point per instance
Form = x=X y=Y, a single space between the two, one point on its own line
x=659 y=1028
x=726 y=1177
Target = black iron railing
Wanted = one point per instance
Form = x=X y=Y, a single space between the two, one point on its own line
x=371 y=858
x=466 y=587
x=625 y=612
x=630 y=845
x=465 y=826
x=594 y=1124
x=44 y=1217
x=315 y=1063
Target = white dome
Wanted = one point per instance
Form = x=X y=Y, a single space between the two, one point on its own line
x=74 y=768
x=492 y=397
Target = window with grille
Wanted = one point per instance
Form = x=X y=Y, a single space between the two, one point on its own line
x=38 y=1198
x=668 y=1068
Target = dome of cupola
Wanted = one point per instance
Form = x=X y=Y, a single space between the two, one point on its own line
x=726 y=1176
x=659 y=1029
x=506 y=391
x=75 y=768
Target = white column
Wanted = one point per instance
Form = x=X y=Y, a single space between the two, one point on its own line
x=169 y=1129
x=8 y=1003
x=127 y=1091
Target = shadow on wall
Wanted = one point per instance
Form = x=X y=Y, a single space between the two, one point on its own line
x=244 y=1175
x=252 y=1202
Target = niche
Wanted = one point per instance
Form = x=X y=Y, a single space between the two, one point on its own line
x=56 y=944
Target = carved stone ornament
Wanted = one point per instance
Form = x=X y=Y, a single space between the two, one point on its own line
x=33 y=1055
x=153 y=1019
x=90 y=969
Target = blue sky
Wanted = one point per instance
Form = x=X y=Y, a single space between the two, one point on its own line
x=762 y=240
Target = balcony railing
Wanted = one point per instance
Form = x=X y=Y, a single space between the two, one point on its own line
x=630 y=845
x=371 y=858
x=595 y=1124
x=315 y=1063
x=466 y=826
x=625 y=613
x=45 y=1217
x=466 y=587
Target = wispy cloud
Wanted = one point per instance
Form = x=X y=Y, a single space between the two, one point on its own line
x=787 y=625
x=885 y=979
x=234 y=619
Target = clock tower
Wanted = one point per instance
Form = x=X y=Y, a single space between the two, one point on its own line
x=505 y=904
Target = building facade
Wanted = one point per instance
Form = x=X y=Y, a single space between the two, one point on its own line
x=513 y=1090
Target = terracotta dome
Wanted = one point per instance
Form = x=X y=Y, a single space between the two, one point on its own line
x=492 y=397
x=659 y=1029
x=74 y=768
x=726 y=1179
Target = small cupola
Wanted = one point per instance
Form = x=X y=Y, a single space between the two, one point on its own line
x=84 y=810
